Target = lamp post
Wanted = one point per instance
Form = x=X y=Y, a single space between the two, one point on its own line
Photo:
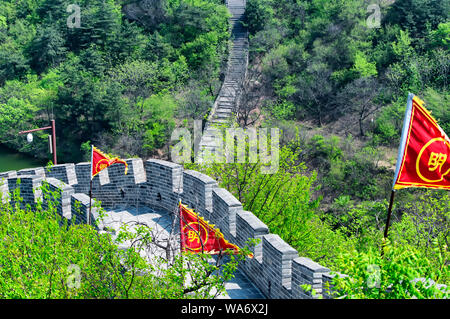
x=53 y=138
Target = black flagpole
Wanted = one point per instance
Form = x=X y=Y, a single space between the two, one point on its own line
x=391 y=203
x=90 y=188
x=389 y=214
x=90 y=204
x=181 y=229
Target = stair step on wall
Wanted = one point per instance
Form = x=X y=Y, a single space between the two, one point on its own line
x=225 y=104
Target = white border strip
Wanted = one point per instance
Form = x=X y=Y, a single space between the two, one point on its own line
x=401 y=149
x=92 y=158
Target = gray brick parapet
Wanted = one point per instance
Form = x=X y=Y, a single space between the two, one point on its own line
x=4 y=189
x=276 y=268
x=9 y=174
x=250 y=227
x=163 y=186
x=38 y=171
x=83 y=173
x=225 y=208
x=63 y=172
x=29 y=186
x=59 y=192
x=309 y=273
x=113 y=188
x=80 y=204
x=197 y=192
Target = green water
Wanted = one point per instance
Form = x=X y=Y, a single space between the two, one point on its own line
x=11 y=160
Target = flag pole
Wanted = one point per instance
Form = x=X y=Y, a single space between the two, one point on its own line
x=401 y=151
x=181 y=230
x=181 y=238
x=388 y=219
x=391 y=203
x=90 y=187
x=90 y=204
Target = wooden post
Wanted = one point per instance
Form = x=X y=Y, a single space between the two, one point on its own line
x=55 y=162
x=53 y=140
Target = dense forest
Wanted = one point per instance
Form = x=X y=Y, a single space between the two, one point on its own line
x=333 y=75
x=114 y=82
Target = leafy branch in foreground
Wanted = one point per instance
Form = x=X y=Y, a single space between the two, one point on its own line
x=400 y=273
x=43 y=255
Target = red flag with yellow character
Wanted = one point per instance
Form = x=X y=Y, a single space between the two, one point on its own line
x=424 y=152
x=100 y=161
x=198 y=236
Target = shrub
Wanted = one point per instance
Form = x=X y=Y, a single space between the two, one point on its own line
x=43 y=255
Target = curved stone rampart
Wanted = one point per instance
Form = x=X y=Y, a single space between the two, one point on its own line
x=276 y=268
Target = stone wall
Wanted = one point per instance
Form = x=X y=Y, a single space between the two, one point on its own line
x=276 y=268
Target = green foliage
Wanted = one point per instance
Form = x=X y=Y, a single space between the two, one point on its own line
x=322 y=151
x=358 y=176
x=437 y=104
x=391 y=276
x=417 y=16
x=346 y=169
x=402 y=47
x=199 y=29
x=43 y=255
x=363 y=222
x=364 y=67
x=283 y=200
x=47 y=49
x=424 y=225
x=257 y=15
x=441 y=36
x=389 y=123
x=319 y=50
x=94 y=80
x=158 y=118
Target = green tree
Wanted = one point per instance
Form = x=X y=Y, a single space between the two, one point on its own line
x=399 y=274
x=258 y=15
x=418 y=15
x=44 y=255
x=12 y=65
x=83 y=107
x=158 y=120
x=47 y=49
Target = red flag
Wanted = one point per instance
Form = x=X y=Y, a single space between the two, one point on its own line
x=424 y=152
x=197 y=235
x=100 y=161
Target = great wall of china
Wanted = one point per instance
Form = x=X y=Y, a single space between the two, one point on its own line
x=276 y=269
x=224 y=108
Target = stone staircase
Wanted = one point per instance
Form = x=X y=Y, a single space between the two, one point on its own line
x=223 y=110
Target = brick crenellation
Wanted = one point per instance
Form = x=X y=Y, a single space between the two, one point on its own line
x=276 y=268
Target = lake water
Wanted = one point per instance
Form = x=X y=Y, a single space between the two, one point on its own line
x=12 y=161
